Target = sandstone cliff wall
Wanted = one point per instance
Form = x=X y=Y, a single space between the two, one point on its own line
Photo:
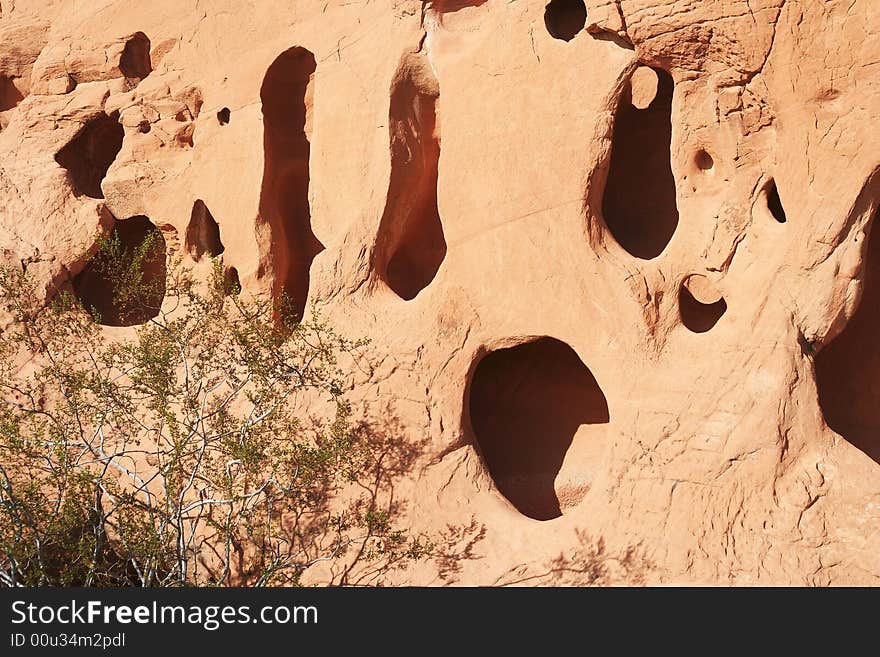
x=615 y=259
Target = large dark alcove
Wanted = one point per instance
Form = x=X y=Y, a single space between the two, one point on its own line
x=526 y=404
x=88 y=156
x=124 y=283
x=848 y=369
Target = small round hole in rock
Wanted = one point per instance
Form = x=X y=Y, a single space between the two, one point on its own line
x=565 y=18
x=223 y=116
x=703 y=160
x=774 y=203
x=699 y=316
x=144 y=127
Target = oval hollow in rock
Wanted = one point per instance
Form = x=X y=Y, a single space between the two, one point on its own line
x=135 y=62
x=410 y=244
x=223 y=116
x=703 y=160
x=88 y=156
x=526 y=404
x=697 y=316
x=10 y=95
x=203 y=233
x=639 y=200
x=290 y=245
x=848 y=368
x=565 y=19
x=124 y=282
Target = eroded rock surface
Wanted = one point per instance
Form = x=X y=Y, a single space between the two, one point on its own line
x=615 y=258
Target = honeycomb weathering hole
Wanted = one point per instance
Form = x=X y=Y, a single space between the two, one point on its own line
x=848 y=368
x=88 y=156
x=526 y=403
x=643 y=221
x=699 y=316
x=135 y=62
x=10 y=95
x=410 y=243
x=774 y=203
x=703 y=160
x=203 y=233
x=286 y=95
x=565 y=18
x=124 y=283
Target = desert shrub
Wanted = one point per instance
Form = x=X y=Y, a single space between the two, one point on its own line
x=181 y=453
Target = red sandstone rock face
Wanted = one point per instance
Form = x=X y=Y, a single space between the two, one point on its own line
x=615 y=257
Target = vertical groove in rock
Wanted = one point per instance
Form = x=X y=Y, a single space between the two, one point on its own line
x=290 y=246
x=410 y=245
